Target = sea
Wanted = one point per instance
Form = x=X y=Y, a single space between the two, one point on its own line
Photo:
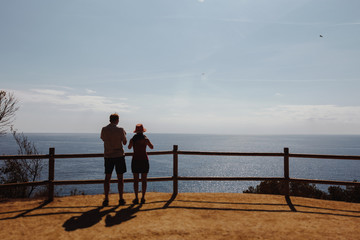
x=199 y=166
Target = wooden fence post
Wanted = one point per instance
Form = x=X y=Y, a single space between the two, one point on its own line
x=286 y=171
x=51 y=174
x=175 y=170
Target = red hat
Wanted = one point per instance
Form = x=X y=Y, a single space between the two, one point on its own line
x=139 y=128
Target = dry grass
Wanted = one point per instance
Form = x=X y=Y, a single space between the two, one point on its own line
x=189 y=216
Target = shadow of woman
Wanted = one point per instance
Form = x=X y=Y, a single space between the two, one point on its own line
x=87 y=219
x=122 y=215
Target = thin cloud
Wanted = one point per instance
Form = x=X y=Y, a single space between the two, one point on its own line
x=48 y=92
x=144 y=76
x=348 y=24
x=72 y=102
x=185 y=17
x=89 y=91
x=321 y=113
x=230 y=80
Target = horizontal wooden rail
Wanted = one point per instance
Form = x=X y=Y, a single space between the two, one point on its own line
x=230 y=178
x=316 y=181
x=231 y=154
x=37 y=183
x=339 y=157
x=161 y=179
x=157 y=153
x=71 y=182
x=10 y=157
x=87 y=155
x=101 y=181
x=93 y=155
x=327 y=182
x=99 y=155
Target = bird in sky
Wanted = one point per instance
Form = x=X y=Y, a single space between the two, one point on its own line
x=321 y=35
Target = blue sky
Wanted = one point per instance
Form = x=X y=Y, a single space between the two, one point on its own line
x=210 y=66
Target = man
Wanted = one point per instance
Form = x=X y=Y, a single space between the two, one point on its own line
x=114 y=137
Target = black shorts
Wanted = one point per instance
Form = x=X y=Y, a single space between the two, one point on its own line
x=118 y=163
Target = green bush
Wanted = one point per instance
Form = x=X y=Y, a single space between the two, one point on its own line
x=267 y=187
x=21 y=170
x=307 y=190
x=349 y=194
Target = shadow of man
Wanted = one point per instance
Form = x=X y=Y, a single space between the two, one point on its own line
x=122 y=215
x=87 y=219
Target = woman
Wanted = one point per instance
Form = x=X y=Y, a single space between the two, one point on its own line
x=140 y=160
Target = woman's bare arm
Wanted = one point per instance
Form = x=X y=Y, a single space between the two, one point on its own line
x=130 y=144
x=149 y=144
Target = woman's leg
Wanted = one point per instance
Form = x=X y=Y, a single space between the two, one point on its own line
x=136 y=184
x=143 y=185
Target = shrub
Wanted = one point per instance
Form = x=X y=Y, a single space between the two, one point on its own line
x=306 y=190
x=21 y=170
x=267 y=187
x=349 y=194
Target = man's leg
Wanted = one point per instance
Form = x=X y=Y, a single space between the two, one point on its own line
x=106 y=188
x=120 y=167
x=121 y=188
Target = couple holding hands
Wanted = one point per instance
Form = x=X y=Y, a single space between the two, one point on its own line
x=114 y=138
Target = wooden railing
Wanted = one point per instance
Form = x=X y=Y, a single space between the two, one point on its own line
x=175 y=177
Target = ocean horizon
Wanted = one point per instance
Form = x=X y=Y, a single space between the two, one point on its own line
x=200 y=166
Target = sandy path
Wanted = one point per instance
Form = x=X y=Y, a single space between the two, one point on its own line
x=189 y=216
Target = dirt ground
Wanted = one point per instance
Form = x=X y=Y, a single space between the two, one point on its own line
x=188 y=216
